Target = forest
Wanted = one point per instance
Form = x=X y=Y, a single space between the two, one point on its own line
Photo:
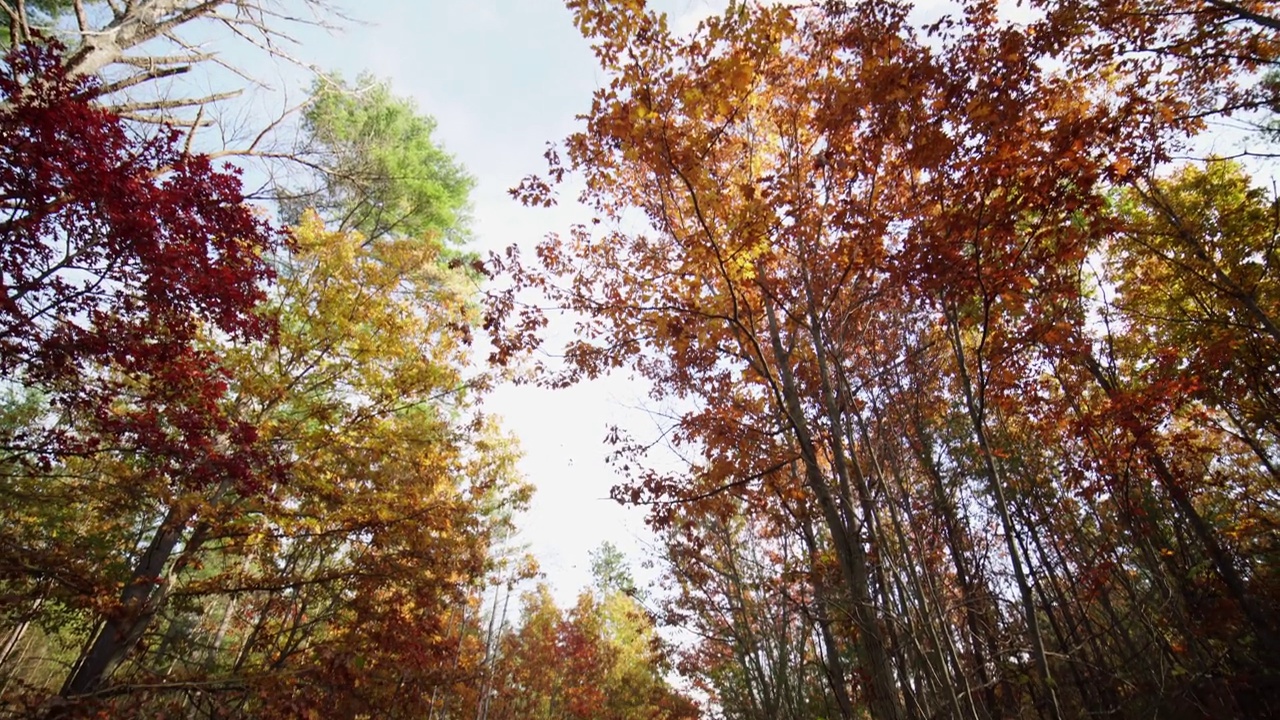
x=963 y=319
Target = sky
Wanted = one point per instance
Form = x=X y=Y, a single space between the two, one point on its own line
x=502 y=78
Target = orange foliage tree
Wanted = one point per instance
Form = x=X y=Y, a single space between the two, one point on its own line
x=875 y=265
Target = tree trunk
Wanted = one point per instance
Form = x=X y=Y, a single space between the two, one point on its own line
x=837 y=677
x=140 y=603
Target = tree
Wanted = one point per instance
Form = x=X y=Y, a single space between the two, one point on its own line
x=249 y=477
x=1196 y=304
x=766 y=647
x=386 y=522
x=132 y=45
x=379 y=171
x=601 y=659
x=854 y=252
x=609 y=570
x=119 y=255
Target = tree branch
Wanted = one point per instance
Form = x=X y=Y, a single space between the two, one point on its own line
x=1246 y=14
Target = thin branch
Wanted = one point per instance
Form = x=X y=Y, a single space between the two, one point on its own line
x=173 y=104
x=715 y=491
x=140 y=78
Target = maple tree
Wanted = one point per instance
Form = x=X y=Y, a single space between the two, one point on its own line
x=103 y=309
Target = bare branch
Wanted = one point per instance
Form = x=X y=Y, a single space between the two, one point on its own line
x=191 y=135
x=163 y=120
x=142 y=41
x=82 y=20
x=140 y=78
x=257 y=140
x=174 y=104
x=20 y=31
x=152 y=61
x=15 y=19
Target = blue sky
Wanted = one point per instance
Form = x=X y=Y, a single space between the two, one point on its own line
x=502 y=78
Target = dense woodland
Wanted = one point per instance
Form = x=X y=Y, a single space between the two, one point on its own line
x=969 y=357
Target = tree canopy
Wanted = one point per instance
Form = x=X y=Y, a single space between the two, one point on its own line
x=970 y=372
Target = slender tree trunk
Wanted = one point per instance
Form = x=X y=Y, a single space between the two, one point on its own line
x=18 y=669
x=946 y=681
x=995 y=483
x=979 y=610
x=141 y=599
x=873 y=653
x=849 y=472
x=20 y=630
x=836 y=675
